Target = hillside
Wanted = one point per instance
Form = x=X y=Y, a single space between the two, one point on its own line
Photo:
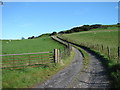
x=30 y=45
x=96 y=37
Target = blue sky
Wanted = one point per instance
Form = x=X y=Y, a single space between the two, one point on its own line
x=24 y=19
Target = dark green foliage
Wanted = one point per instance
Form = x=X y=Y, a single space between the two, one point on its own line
x=95 y=26
x=47 y=34
x=61 y=32
x=54 y=33
x=87 y=28
x=31 y=37
x=22 y=38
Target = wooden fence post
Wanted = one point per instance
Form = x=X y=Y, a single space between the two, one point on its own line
x=55 y=56
x=108 y=49
x=98 y=47
x=58 y=56
x=102 y=47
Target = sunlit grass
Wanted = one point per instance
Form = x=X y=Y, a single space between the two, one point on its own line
x=42 y=44
x=30 y=77
x=97 y=39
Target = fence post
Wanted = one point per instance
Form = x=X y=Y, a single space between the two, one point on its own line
x=102 y=47
x=108 y=49
x=58 y=56
x=97 y=47
x=55 y=55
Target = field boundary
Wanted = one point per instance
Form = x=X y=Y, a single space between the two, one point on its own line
x=104 y=49
x=24 y=60
x=23 y=53
x=18 y=61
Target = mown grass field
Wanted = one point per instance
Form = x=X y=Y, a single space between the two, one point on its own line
x=100 y=40
x=43 y=44
x=108 y=28
x=97 y=38
x=28 y=77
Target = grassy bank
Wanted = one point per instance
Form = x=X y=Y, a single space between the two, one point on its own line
x=28 y=77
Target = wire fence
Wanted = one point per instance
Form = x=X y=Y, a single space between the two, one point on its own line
x=112 y=53
x=24 y=60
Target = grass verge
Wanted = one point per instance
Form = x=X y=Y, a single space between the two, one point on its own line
x=28 y=77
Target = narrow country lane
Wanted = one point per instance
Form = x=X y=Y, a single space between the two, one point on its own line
x=93 y=77
x=64 y=77
x=74 y=76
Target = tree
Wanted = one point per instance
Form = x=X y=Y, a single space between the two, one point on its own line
x=22 y=38
x=85 y=27
x=61 y=32
x=118 y=23
x=31 y=37
x=95 y=26
x=54 y=33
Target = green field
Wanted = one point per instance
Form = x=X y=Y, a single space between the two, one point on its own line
x=98 y=39
x=108 y=28
x=42 y=44
x=30 y=76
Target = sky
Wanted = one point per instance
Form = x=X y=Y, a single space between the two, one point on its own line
x=25 y=19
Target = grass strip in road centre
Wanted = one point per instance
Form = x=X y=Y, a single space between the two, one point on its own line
x=85 y=64
x=85 y=55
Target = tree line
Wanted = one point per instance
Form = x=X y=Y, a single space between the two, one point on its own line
x=78 y=29
x=84 y=28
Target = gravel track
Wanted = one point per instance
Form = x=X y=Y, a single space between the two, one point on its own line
x=93 y=77
x=64 y=77
x=74 y=76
